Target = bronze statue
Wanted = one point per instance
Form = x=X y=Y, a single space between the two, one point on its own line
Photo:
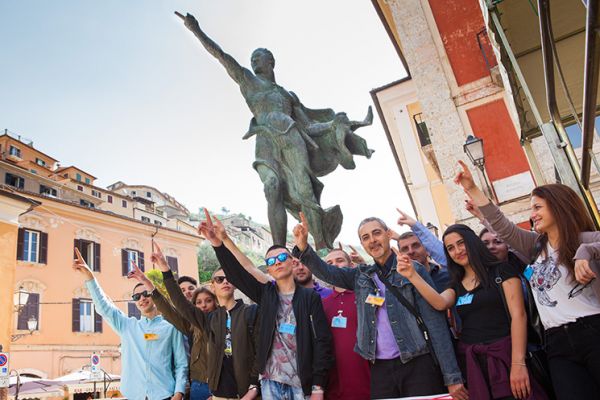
x=294 y=144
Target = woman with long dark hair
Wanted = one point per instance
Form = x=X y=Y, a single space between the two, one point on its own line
x=489 y=300
x=564 y=251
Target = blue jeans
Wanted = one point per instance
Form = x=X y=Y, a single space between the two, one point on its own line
x=199 y=390
x=272 y=390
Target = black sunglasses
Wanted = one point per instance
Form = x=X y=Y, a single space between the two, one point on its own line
x=137 y=296
x=219 y=279
x=578 y=289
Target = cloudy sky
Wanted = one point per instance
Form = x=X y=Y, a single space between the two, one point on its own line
x=125 y=92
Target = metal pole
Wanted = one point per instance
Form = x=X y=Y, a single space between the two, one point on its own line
x=590 y=88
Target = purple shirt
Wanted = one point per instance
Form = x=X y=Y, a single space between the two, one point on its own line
x=322 y=290
x=387 y=348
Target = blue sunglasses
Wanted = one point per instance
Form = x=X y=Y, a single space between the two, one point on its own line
x=281 y=257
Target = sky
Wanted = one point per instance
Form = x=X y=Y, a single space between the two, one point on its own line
x=125 y=92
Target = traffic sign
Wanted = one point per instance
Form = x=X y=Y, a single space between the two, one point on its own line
x=96 y=371
x=3 y=359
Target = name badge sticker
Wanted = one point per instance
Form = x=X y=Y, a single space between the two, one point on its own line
x=150 y=336
x=375 y=300
x=288 y=328
x=339 y=321
x=528 y=272
x=465 y=299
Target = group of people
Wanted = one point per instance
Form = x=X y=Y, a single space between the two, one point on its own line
x=509 y=313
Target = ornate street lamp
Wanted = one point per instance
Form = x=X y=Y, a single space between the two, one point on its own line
x=20 y=299
x=473 y=147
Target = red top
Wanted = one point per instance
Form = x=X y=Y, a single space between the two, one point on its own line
x=350 y=378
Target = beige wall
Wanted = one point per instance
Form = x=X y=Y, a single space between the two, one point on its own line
x=55 y=350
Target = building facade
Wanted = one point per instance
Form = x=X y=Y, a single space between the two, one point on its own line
x=456 y=88
x=68 y=211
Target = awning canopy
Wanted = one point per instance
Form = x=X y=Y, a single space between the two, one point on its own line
x=520 y=22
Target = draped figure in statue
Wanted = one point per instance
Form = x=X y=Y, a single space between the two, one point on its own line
x=294 y=144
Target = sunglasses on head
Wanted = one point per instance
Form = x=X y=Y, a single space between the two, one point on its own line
x=219 y=279
x=281 y=257
x=137 y=296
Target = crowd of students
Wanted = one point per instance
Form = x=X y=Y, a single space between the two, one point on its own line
x=507 y=313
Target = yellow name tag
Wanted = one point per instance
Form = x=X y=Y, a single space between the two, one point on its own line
x=150 y=336
x=375 y=300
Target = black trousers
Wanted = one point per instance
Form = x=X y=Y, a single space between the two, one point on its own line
x=419 y=377
x=574 y=358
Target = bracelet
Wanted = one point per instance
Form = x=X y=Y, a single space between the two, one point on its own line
x=519 y=363
x=252 y=387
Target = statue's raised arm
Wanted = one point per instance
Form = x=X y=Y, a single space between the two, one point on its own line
x=238 y=73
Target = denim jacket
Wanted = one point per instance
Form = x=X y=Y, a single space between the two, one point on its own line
x=404 y=325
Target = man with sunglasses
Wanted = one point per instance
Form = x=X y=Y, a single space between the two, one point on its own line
x=294 y=347
x=230 y=329
x=154 y=363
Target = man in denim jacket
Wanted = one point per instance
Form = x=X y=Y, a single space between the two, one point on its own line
x=388 y=334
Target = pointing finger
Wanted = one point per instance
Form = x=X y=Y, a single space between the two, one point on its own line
x=78 y=255
x=208 y=219
x=303 y=220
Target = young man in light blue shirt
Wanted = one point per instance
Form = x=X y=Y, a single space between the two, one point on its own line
x=154 y=362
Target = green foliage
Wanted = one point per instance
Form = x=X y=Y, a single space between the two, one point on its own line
x=207 y=260
x=156 y=278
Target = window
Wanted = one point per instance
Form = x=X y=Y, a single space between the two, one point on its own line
x=40 y=162
x=80 y=188
x=90 y=251
x=78 y=177
x=145 y=219
x=31 y=309
x=148 y=194
x=33 y=171
x=84 y=316
x=96 y=193
x=124 y=203
x=66 y=175
x=422 y=130
x=87 y=180
x=133 y=311
x=129 y=256
x=133 y=192
x=173 y=264
x=48 y=191
x=14 y=151
x=14 y=180
x=109 y=198
x=32 y=246
x=157 y=222
x=86 y=203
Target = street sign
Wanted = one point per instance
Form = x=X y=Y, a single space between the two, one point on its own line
x=96 y=371
x=4 y=370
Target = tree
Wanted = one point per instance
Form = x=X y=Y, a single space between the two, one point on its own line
x=207 y=262
x=156 y=278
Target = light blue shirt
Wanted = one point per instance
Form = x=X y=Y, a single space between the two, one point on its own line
x=432 y=244
x=155 y=369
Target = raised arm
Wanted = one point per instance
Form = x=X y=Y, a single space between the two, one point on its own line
x=103 y=305
x=439 y=301
x=235 y=272
x=519 y=239
x=241 y=257
x=340 y=277
x=432 y=244
x=187 y=310
x=238 y=73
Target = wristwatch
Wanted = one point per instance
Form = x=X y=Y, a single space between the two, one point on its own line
x=252 y=387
